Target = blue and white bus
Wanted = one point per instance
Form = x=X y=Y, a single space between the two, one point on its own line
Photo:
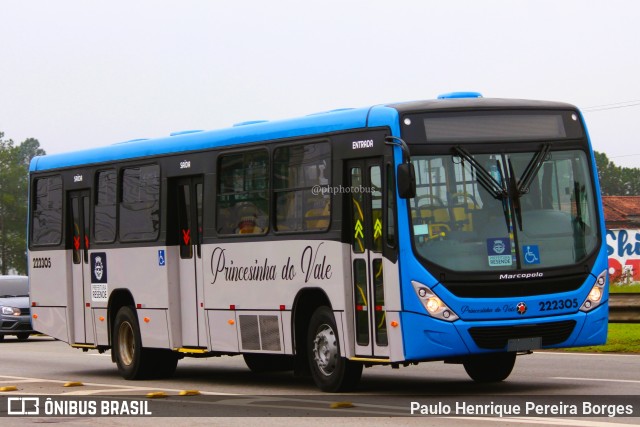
x=462 y=229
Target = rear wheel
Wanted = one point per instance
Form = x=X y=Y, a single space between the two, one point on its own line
x=135 y=362
x=127 y=345
x=330 y=371
x=489 y=368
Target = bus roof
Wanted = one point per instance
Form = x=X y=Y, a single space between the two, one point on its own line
x=247 y=132
x=243 y=133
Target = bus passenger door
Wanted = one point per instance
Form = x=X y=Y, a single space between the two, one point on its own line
x=78 y=240
x=190 y=195
x=366 y=207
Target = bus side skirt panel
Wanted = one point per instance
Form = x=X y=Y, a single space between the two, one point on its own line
x=223 y=330
x=154 y=328
x=51 y=321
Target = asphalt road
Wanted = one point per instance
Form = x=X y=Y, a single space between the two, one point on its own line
x=229 y=392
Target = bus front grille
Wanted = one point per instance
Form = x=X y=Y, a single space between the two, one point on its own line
x=497 y=337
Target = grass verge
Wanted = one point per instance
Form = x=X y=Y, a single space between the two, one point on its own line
x=622 y=338
x=625 y=289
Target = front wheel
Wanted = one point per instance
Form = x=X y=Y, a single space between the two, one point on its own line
x=330 y=371
x=489 y=368
x=23 y=336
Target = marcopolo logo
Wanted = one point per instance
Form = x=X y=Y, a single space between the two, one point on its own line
x=532 y=275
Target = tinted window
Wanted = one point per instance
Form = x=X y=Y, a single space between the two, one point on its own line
x=243 y=198
x=301 y=187
x=47 y=211
x=140 y=205
x=105 y=212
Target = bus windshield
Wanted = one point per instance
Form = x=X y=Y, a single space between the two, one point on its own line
x=504 y=211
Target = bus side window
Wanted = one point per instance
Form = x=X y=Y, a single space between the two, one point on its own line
x=301 y=181
x=140 y=205
x=105 y=209
x=47 y=211
x=243 y=197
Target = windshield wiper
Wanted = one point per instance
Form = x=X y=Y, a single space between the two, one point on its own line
x=532 y=169
x=495 y=188
x=522 y=187
x=514 y=191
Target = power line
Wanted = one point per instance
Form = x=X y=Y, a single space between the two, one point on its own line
x=616 y=105
x=625 y=155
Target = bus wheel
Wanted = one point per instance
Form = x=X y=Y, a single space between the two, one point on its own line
x=127 y=345
x=329 y=371
x=259 y=363
x=489 y=368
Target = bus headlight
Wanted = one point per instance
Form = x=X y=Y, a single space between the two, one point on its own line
x=595 y=295
x=435 y=306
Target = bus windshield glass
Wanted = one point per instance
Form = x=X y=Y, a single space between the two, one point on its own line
x=504 y=211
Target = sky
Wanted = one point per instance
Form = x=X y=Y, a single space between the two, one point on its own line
x=77 y=74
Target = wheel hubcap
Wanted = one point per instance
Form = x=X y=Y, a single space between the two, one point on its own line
x=126 y=343
x=325 y=350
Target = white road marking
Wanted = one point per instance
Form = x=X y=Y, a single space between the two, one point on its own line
x=596 y=379
x=570 y=353
x=108 y=388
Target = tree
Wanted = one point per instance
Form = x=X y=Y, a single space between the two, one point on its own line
x=616 y=180
x=14 y=179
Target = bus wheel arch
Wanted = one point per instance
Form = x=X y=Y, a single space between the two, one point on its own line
x=133 y=360
x=304 y=305
x=119 y=298
x=127 y=344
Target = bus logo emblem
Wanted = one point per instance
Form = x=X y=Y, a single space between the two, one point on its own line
x=99 y=268
x=499 y=252
x=99 y=272
x=521 y=308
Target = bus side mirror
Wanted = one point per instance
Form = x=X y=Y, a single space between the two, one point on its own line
x=406 y=180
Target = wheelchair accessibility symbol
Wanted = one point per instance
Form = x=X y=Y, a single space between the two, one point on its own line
x=161 y=258
x=531 y=254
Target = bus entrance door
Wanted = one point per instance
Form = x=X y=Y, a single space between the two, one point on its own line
x=78 y=240
x=189 y=205
x=365 y=182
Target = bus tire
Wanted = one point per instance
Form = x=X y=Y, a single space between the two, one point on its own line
x=329 y=371
x=127 y=346
x=260 y=363
x=489 y=368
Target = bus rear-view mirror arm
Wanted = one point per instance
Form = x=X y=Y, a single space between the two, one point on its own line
x=406 y=174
